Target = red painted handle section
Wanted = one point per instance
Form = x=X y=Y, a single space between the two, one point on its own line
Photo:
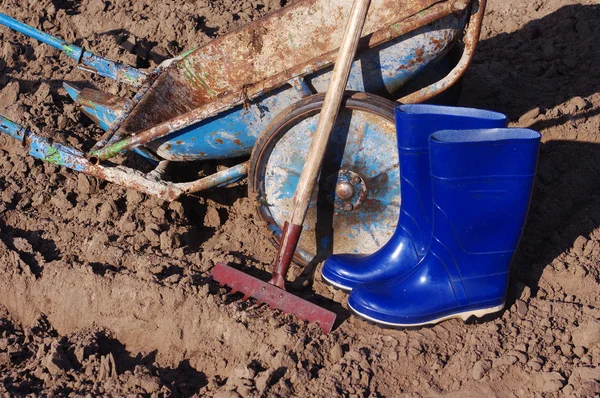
x=287 y=247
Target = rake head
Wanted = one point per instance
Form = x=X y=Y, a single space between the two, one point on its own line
x=275 y=297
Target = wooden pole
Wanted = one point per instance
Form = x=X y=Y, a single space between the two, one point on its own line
x=318 y=146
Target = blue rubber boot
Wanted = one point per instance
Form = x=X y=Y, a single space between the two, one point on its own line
x=414 y=125
x=482 y=182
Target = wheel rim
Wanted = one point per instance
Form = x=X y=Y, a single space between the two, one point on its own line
x=356 y=205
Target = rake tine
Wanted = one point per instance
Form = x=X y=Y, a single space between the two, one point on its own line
x=276 y=298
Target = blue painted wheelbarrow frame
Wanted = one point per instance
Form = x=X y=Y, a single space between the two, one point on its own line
x=216 y=101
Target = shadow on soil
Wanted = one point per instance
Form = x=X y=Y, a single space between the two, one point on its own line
x=565 y=205
x=23 y=241
x=545 y=64
x=184 y=379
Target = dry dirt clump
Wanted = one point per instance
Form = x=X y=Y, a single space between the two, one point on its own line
x=36 y=360
x=104 y=291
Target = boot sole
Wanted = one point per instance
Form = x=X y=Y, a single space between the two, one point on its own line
x=462 y=315
x=336 y=285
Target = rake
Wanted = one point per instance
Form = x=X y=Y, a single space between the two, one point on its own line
x=273 y=292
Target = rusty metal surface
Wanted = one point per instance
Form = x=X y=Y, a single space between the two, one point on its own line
x=133 y=179
x=56 y=153
x=217 y=179
x=165 y=128
x=164 y=92
x=111 y=134
x=470 y=40
x=346 y=190
x=273 y=296
x=288 y=39
x=99 y=106
x=114 y=70
x=61 y=155
x=380 y=70
x=395 y=62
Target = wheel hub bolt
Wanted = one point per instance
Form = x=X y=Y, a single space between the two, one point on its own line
x=344 y=190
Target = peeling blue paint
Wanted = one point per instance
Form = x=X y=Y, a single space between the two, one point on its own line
x=90 y=62
x=381 y=70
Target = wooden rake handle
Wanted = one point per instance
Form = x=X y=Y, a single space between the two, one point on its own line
x=312 y=166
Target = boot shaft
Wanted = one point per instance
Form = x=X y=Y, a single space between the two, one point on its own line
x=482 y=184
x=414 y=125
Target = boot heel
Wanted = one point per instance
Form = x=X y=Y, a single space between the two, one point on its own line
x=480 y=313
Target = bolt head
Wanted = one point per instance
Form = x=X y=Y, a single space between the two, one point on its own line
x=344 y=191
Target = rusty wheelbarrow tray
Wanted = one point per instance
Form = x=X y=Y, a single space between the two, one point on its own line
x=255 y=90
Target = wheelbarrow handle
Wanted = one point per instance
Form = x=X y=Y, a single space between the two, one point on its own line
x=318 y=146
x=88 y=61
x=470 y=39
x=69 y=49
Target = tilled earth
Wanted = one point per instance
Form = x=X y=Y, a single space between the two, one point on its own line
x=104 y=291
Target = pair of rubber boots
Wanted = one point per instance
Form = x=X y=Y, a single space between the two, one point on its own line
x=466 y=184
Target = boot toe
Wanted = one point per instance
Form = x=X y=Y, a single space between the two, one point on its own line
x=378 y=303
x=395 y=258
x=412 y=300
x=343 y=270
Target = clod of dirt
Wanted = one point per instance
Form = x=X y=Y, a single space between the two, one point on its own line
x=521 y=308
x=212 y=218
x=481 y=368
x=549 y=382
x=530 y=117
x=56 y=359
x=9 y=94
x=588 y=334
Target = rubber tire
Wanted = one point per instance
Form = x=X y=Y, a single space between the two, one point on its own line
x=296 y=113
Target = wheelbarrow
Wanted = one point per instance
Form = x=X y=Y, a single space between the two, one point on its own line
x=257 y=91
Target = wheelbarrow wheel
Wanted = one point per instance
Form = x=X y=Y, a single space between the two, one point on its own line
x=356 y=204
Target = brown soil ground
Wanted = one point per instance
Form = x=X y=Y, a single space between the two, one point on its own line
x=104 y=291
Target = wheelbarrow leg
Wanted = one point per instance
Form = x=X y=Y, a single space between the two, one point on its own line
x=62 y=155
